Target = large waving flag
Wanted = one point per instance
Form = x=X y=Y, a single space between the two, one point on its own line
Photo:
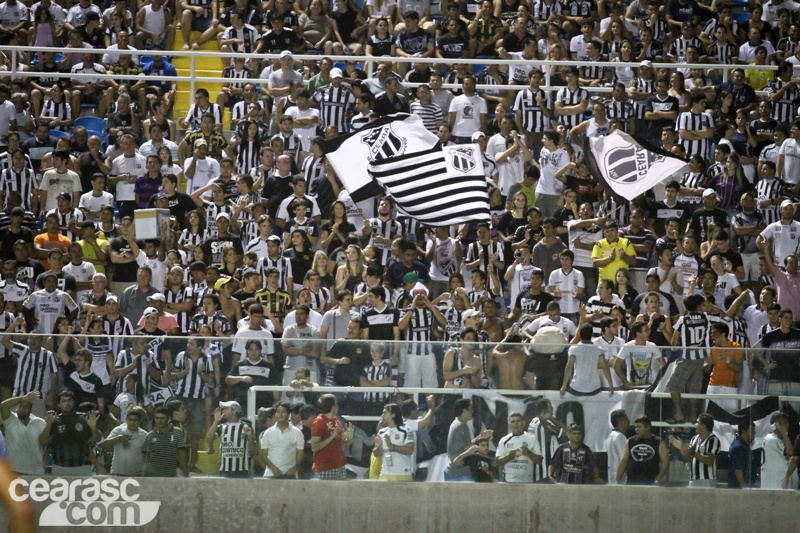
x=437 y=187
x=379 y=140
x=628 y=167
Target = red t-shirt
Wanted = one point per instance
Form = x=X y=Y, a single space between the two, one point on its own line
x=331 y=456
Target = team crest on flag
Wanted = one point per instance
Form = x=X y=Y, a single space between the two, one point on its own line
x=630 y=163
x=383 y=143
x=463 y=159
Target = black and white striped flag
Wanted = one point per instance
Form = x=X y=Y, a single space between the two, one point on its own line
x=627 y=167
x=437 y=187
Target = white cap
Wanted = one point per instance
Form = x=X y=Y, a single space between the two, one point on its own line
x=286 y=53
x=477 y=135
x=150 y=311
x=786 y=203
x=646 y=63
x=233 y=405
x=336 y=73
x=709 y=192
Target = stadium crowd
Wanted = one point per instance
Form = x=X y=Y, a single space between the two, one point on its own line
x=277 y=276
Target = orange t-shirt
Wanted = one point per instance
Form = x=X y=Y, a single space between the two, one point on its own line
x=723 y=375
x=43 y=240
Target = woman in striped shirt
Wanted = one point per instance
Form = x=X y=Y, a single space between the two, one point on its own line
x=195 y=232
x=431 y=113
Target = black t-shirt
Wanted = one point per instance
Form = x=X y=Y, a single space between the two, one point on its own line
x=533 y=304
x=564 y=216
x=213 y=247
x=660 y=212
x=381 y=324
x=668 y=104
x=452 y=47
x=96 y=38
x=85 y=388
x=8 y=238
x=512 y=43
x=66 y=282
x=345 y=229
x=28 y=271
x=179 y=205
x=702 y=218
x=241 y=295
x=287 y=40
x=346 y=23
x=263 y=373
x=69 y=440
x=734 y=257
x=477 y=464
x=125 y=272
x=784 y=351
x=358 y=352
x=301 y=262
x=88 y=170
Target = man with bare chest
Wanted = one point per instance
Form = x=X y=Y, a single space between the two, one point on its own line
x=509 y=356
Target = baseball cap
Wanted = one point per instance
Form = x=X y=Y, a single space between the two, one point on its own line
x=223 y=215
x=65 y=195
x=411 y=277
x=709 y=192
x=110 y=297
x=336 y=73
x=221 y=282
x=274 y=238
x=477 y=135
x=18 y=212
x=646 y=63
x=286 y=53
x=232 y=404
x=150 y=311
x=786 y=203
x=157 y=297
x=176 y=268
x=470 y=313
x=199 y=142
x=159 y=196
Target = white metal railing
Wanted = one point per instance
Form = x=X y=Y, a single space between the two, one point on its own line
x=367 y=61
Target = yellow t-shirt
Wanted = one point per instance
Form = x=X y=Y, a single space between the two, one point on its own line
x=603 y=249
x=90 y=255
x=757 y=78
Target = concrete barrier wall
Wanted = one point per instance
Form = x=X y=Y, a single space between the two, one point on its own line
x=209 y=505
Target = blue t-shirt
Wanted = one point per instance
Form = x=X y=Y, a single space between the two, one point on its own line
x=740 y=459
x=679 y=12
x=166 y=70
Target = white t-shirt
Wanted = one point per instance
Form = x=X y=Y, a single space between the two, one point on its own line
x=306 y=134
x=357 y=212
x=790 y=150
x=510 y=171
x=520 y=468
x=747 y=52
x=468 y=110
x=584 y=373
x=204 y=171
x=54 y=184
x=398 y=464
x=158 y=267
x=551 y=163
x=567 y=283
x=520 y=281
x=774 y=466
x=566 y=325
x=583 y=258
x=48 y=307
x=244 y=335
x=520 y=72
x=641 y=362
x=610 y=349
x=785 y=239
x=22 y=444
x=125 y=401
x=614 y=446
x=90 y=202
x=7 y=113
x=82 y=273
x=726 y=283
x=134 y=166
x=282 y=447
x=413 y=427
x=444 y=263
x=127 y=461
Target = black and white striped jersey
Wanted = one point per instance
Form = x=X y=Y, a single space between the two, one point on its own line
x=60 y=110
x=183 y=294
x=787 y=46
x=655 y=50
x=248 y=35
x=360 y=120
x=694 y=331
x=696 y=122
x=6 y=163
x=192 y=385
x=643 y=86
x=452 y=327
x=313 y=170
x=660 y=29
x=569 y=98
x=230 y=72
x=33 y=369
x=320 y=299
x=195 y=115
x=284 y=266
x=533 y=118
x=616 y=211
x=681 y=44
x=784 y=110
x=543 y=11
x=493 y=248
x=708 y=446
x=769 y=189
x=212 y=211
x=377 y=373
x=219 y=319
x=546 y=433
x=193 y=239
x=120 y=326
x=239 y=111
x=247 y=156
x=620 y=110
x=335 y=105
x=292 y=144
x=234 y=447
x=72 y=216
x=431 y=115
x=722 y=53
x=24 y=182
x=419 y=332
x=386 y=229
